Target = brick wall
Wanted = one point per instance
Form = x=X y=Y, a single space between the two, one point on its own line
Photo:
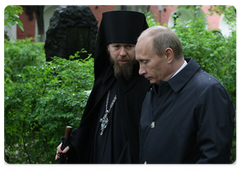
x=99 y=9
x=29 y=26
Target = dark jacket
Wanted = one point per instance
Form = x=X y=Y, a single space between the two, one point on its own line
x=189 y=119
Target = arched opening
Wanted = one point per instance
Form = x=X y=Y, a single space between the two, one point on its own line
x=185 y=14
x=224 y=27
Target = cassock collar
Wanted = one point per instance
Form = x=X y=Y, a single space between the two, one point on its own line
x=179 y=80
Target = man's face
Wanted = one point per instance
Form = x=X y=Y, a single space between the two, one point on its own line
x=123 y=58
x=152 y=66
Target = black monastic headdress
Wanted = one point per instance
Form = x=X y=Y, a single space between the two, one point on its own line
x=116 y=27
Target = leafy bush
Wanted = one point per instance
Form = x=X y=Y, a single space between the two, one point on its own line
x=40 y=102
x=215 y=53
x=19 y=54
x=11 y=15
x=151 y=20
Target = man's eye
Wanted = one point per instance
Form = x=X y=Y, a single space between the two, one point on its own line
x=143 y=61
x=129 y=47
x=116 y=46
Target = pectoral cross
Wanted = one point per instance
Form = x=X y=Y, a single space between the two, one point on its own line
x=104 y=119
x=104 y=122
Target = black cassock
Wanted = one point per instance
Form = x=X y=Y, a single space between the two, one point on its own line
x=120 y=140
x=112 y=145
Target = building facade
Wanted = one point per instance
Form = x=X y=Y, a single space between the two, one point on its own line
x=163 y=14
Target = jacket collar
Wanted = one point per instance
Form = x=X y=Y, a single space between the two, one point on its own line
x=181 y=79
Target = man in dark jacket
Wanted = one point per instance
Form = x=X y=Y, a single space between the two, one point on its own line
x=108 y=132
x=187 y=115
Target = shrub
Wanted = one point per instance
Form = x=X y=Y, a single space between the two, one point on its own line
x=40 y=102
x=19 y=54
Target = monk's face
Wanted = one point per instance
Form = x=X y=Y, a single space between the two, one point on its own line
x=123 y=58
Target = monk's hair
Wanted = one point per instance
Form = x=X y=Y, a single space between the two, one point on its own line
x=163 y=38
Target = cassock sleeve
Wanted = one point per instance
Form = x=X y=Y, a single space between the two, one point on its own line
x=215 y=120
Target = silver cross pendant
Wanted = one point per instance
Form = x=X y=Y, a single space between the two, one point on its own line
x=104 y=122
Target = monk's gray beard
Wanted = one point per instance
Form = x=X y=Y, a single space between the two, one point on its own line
x=125 y=70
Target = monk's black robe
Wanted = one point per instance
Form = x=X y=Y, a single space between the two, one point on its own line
x=112 y=146
x=120 y=140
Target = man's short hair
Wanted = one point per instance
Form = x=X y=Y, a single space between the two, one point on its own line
x=163 y=38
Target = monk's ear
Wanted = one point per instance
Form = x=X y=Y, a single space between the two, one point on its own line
x=169 y=54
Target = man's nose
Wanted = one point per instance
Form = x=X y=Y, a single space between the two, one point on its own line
x=123 y=52
x=141 y=71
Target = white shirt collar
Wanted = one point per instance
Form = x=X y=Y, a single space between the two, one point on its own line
x=184 y=65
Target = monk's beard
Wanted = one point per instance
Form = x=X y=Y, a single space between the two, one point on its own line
x=125 y=70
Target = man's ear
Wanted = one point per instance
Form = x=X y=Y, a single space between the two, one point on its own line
x=169 y=54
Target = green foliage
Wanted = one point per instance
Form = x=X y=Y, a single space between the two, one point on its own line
x=230 y=15
x=229 y=12
x=11 y=16
x=19 y=54
x=151 y=20
x=41 y=98
x=218 y=9
x=215 y=54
